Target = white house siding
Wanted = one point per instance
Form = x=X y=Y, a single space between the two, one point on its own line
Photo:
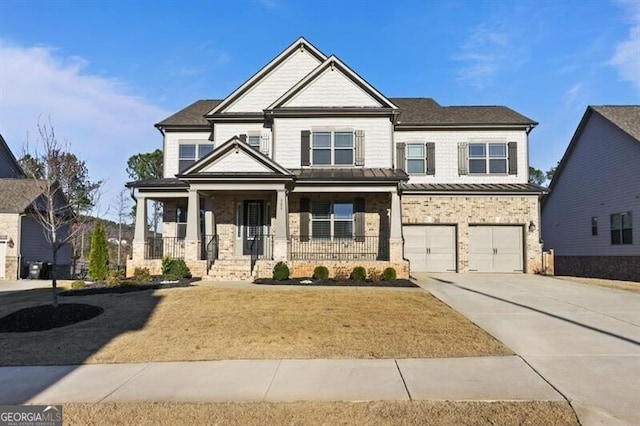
x=225 y=131
x=332 y=88
x=171 y=143
x=236 y=162
x=276 y=83
x=446 y=149
x=601 y=177
x=378 y=131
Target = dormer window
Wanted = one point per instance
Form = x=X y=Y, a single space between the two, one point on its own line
x=254 y=142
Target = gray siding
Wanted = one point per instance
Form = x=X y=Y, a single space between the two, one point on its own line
x=8 y=167
x=601 y=177
x=35 y=247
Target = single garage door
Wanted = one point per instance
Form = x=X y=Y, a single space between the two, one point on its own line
x=495 y=249
x=430 y=248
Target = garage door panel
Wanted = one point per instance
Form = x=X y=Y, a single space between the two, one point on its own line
x=495 y=249
x=430 y=248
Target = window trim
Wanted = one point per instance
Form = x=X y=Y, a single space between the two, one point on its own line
x=332 y=220
x=487 y=157
x=594 y=226
x=332 y=147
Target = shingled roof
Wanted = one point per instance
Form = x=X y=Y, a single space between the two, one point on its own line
x=191 y=116
x=627 y=117
x=414 y=112
x=427 y=112
x=16 y=195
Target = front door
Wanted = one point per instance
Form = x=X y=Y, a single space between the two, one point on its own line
x=253 y=222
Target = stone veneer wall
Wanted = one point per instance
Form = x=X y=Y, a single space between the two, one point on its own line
x=477 y=210
x=608 y=267
x=377 y=207
x=9 y=227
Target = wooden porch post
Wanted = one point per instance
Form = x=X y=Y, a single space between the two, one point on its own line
x=192 y=237
x=281 y=237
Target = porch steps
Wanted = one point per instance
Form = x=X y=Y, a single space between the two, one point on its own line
x=230 y=270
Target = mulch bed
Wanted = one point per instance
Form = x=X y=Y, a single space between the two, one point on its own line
x=101 y=288
x=46 y=317
x=338 y=283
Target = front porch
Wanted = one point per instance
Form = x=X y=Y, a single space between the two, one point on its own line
x=239 y=235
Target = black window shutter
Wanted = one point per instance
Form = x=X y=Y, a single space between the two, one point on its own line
x=431 y=158
x=400 y=156
x=513 y=158
x=243 y=137
x=359 y=148
x=305 y=144
x=359 y=219
x=304 y=219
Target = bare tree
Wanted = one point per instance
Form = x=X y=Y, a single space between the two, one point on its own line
x=122 y=206
x=58 y=212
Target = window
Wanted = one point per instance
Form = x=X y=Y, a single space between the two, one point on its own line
x=621 y=228
x=332 y=148
x=488 y=158
x=594 y=226
x=331 y=219
x=190 y=153
x=254 y=142
x=416 y=162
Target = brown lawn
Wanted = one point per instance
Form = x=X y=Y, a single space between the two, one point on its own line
x=324 y=413
x=208 y=323
x=619 y=285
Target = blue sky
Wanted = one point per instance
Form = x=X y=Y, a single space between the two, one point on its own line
x=106 y=71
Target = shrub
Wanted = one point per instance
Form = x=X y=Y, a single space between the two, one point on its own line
x=389 y=274
x=281 y=271
x=359 y=273
x=142 y=275
x=341 y=273
x=175 y=268
x=78 y=284
x=374 y=274
x=172 y=276
x=99 y=253
x=128 y=283
x=321 y=273
x=113 y=278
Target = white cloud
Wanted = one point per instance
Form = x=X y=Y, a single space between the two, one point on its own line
x=626 y=58
x=573 y=96
x=99 y=117
x=484 y=52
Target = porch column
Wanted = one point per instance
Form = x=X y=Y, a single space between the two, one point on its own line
x=140 y=235
x=209 y=228
x=395 y=231
x=192 y=237
x=281 y=237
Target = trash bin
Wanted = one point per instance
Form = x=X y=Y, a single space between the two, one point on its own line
x=35 y=269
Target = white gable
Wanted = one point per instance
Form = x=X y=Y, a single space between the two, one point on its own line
x=277 y=82
x=236 y=161
x=332 y=89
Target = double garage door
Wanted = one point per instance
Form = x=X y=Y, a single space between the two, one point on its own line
x=432 y=248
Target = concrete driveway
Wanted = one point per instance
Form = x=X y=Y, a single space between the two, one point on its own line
x=584 y=340
x=7 y=287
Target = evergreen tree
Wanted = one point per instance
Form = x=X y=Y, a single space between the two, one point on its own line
x=99 y=254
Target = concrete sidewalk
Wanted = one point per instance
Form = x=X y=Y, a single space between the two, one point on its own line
x=482 y=378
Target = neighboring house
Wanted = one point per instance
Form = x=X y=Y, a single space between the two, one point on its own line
x=22 y=237
x=309 y=164
x=591 y=217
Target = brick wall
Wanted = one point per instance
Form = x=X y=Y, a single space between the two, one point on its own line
x=465 y=210
x=302 y=268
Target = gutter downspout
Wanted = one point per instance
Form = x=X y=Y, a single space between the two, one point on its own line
x=18 y=244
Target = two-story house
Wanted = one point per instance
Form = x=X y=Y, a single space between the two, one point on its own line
x=22 y=237
x=309 y=164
